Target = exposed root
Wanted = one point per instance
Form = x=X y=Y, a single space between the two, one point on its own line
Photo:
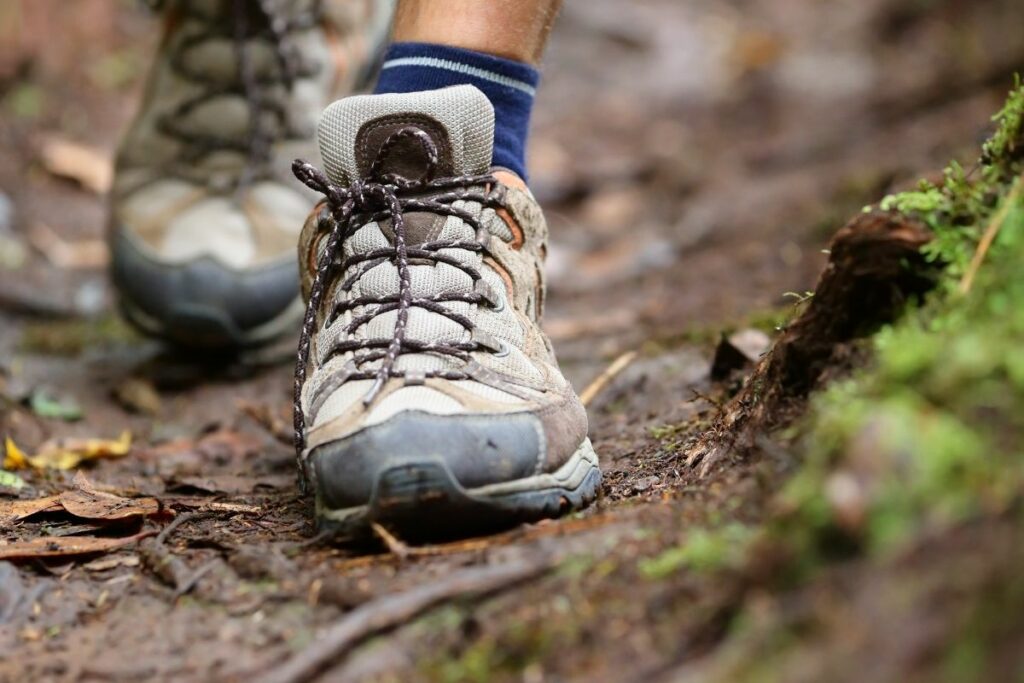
x=396 y=609
x=875 y=267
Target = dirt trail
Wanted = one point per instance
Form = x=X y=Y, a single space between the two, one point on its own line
x=694 y=159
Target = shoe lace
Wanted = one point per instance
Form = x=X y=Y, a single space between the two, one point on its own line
x=250 y=19
x=379 y=197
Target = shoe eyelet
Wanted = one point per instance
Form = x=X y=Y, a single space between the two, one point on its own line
x=498 y=305
x=503 y=351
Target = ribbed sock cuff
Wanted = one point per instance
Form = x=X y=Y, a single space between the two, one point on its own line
x=509 y=85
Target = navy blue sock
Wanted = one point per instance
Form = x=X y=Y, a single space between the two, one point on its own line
x=509 y=85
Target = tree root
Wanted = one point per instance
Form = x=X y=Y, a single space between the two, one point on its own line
x=394 y=610
x=875 y=267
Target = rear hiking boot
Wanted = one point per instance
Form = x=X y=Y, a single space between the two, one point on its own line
x=204 y=211
x=427 y=397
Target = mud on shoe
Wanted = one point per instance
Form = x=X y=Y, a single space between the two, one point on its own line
x=204 y=212
x=427 y=397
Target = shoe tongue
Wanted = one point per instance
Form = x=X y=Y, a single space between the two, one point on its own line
x=459 y=120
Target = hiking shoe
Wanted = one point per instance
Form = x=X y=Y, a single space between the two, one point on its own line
x=204 y=211
x=427 y=397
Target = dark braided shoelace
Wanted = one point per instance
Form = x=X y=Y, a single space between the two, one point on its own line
x=382 y=196
x=249 y=20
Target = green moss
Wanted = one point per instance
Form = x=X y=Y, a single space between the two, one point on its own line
x=25 y=101
x=1006 y=145
x=492 y=656
x=929 y=435
x=992 y=623
x=958 y=210
x=704 y=551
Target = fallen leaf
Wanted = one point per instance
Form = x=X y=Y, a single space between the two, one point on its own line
x=83 y=502
x=10 y=480
x=105 y=506
x=67 y=545
x=231 y=484
x=105 y=563
x=66 y=454
x=138 y=396
x=14 y=458
x=14 y=510
x=68 y=528
x=273 y=421
x=45 y=405
x=91 y=167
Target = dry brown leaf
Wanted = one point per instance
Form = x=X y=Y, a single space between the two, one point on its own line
x=105 y=563
x=106 y=506
x=84 y=502
x=138 y=396
x=66 y=546
x=14 y=510
x=230 y=484
x=83 y=254
x=91 y=167
x=273 y=421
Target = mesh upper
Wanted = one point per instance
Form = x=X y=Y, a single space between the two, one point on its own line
x=468 y=119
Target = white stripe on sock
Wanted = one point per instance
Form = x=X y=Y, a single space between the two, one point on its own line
x=461 y=68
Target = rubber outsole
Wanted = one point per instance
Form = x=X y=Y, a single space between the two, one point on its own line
x=423 y=500
x=203 y=327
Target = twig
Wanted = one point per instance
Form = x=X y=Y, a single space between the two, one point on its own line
x=310 y=542
x=190 y=582
x=395 y=545
x=987 y=239
x=602 y=381
x=394 y=610
x=402 y=550
x=175 y=523
x=171 y=570
x=699 y=395
x=163 y=563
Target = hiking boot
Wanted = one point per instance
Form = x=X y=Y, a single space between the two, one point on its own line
x=427 y=397
x=204 y=210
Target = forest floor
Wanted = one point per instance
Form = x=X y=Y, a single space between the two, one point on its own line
x=692 y=176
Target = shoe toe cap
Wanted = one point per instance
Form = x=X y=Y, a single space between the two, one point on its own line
x=201 y=301
x=475 y=450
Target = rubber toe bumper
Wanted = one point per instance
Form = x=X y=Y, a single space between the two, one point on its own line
x=424 y=473
x=203 y=303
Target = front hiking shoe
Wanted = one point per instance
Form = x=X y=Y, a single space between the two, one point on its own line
x=427 y=399
x=204 y=211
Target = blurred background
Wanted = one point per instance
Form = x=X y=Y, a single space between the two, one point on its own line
x=702 y=151
x=694 y=159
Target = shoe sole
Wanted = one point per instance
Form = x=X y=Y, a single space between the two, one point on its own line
x=205 y=327
x=423 y=500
